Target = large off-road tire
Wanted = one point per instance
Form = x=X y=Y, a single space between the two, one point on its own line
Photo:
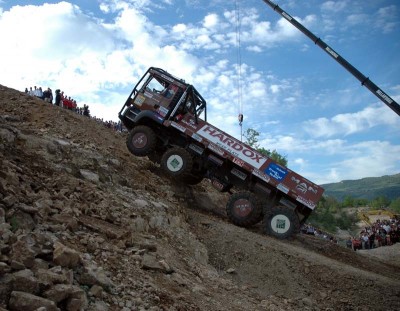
x=177 y=162
x=244 y=209
x=141 y=141
x=281 y=222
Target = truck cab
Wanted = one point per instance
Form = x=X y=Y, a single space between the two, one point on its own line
x=159 y=96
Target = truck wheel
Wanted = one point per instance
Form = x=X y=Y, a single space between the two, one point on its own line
x=244 y=209
x=177 y=162
x=281 y=222
x=141 y=141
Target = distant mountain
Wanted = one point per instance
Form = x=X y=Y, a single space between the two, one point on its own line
x=365 y=188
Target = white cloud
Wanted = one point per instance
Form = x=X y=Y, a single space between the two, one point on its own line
x=351 y=123
x=334 y=6
x=356 y=19
x=369 y=158
x=387 y=18
x=211 y=20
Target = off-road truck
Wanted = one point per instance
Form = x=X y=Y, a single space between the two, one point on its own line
x=167 y=122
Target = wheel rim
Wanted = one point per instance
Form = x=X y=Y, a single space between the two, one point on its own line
x=280 y=223
x=174 y=163
x=242 y=207
x=139 y=140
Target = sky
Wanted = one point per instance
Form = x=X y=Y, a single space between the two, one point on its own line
x=241 y=56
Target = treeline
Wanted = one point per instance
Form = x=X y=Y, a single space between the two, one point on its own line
x=332 y=214
x=377 y=203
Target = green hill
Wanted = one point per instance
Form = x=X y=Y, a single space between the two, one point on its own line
x=365 y=188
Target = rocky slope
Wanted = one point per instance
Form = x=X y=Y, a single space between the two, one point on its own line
x=85 y=225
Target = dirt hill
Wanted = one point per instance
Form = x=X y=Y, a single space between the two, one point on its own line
x=87 y=226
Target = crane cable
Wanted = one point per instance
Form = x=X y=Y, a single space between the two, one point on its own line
x=239 y=68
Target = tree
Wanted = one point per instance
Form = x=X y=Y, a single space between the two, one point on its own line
x=348 y=201
x=395 y=205
x=380 y=202
x=251 y=136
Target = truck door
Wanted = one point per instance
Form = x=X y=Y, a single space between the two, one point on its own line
x=156 y=94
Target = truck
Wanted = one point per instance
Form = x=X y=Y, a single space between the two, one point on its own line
x=167 y=122
x=166 y=118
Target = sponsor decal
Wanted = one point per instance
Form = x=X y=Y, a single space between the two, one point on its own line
x=217 y=150
x=283 y=188
x=162 y=111
x=306 y=202
x=196 y=148
x=332 y=52
x=238 y=162
x=179 y=127
x=261 y=175
x=384 y=96
x=239 y=174
x=139 y=100
x=197 y=137
x=191 y=123
x=280 y=224
x=217 y=185
x=233 y=146
x=215 y=159
x=287 y=16
x=276 y=171
x=302 y=186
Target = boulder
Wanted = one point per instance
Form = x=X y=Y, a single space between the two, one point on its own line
x=65 y=256
x=27 y=302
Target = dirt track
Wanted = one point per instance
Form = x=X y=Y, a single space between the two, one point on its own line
x=213 y=265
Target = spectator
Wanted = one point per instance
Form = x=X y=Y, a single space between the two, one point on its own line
x=58 y=98
x=365 y=241
x=48 y=95
x=349 y=243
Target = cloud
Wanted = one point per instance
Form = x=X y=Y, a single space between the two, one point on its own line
x=211 y=21
x=351 y=123
x=357 y=19
x=387 y=19
x=334 y=6
x=369 y=158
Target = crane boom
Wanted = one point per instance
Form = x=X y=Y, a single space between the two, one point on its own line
x=390 y=102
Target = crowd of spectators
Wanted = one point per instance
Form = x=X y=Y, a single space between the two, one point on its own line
x=64 y=101
x=380 y=233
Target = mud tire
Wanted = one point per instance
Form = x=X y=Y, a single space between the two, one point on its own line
x=177 y=162
x=281 y=222
x=244 y=209
x=141 y=141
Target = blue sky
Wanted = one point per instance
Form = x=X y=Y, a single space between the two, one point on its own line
x=303 y=103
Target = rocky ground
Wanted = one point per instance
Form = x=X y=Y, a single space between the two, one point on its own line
x=87 y=226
